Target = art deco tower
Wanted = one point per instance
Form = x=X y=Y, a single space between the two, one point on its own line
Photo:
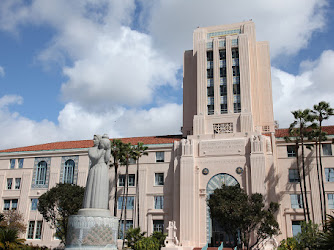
x=227 y=82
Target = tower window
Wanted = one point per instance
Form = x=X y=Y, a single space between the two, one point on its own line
x=235 y=53
x=209 y=55
x=209 y=73
x=222 y=54
x=236 y=71
x=223 y=72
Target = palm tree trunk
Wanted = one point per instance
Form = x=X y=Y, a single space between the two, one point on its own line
x=126 y=198
x=300 y=180
x=319 y=181
x=137 y=192
x=304 y=178
x=116 y=180
x=122 y=209
x=321 y=171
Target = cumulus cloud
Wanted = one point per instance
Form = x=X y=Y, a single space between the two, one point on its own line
x=288 y=25
x=2 y=71
x=313 y=84
x=76 y=123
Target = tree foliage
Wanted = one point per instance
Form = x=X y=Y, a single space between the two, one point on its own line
x=326 y=238
x=308 y=238
x=236 y=211
x=57 y=204
x=13 y=219
x=136 y=239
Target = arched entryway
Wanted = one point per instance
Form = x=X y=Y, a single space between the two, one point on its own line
x=213 y=229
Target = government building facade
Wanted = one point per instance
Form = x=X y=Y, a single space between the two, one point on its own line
x=228 y=137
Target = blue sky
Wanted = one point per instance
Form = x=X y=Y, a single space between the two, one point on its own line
x=70 y=69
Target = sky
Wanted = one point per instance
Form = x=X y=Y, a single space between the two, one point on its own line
x=70 y=69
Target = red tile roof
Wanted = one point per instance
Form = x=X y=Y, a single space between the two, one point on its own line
x=89 y=143
x=285 y=131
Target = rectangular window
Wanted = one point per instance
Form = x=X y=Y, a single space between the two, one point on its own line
x=34 y=204
x=209 y=73
x=222 y=54
x=330 y=201
x=132 y=161
x=6 y=205
x=296 y=201
x=158 y=226
x=296 y=228
x=160 y=156
x=159 y=179
x=327 y=149
x=20 y=163
x=158 y=202
x=31 y=229
x=223 y=72
x=291 y=150
x=10 y=204
x=236 y=71
x=329 y=172
x=121 y=180
x=130 y=202
x=209 y=55
x=128 y=225
x=235 y=53
x=9 y=183
x=14 y=204
x=12 y=163
x=38 y=233
x=131 y=180
x=293 y=175
x=17 y=183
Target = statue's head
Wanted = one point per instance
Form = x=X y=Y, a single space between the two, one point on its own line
x=105 y=142
x=96 y=140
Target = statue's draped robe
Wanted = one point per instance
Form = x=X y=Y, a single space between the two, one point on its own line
x=97 y=187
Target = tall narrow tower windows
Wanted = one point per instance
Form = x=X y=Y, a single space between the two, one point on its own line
x=223 y=82
x=210 y=85
x=236 y=81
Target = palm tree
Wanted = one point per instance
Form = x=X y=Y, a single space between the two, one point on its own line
x=294 y=133
x=314 y=134
x=127 y=155
x=116 y=151
x=302 y=117
x=9 y=238
x=327 y=236
x=139 y=151
x=321 y=112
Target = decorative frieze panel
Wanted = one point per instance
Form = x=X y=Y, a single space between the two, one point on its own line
x=222 y=147
x=223 y=128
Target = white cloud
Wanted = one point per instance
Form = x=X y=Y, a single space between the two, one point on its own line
x=313 y=84
x=288 y=25
x=2 y=71
x=76 y=123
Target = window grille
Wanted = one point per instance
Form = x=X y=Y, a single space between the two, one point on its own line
x=223 y=128
x=266 y=128
x=20 y=163
x=12 y=163
x=68 y=174
x=158 y=225
x=41 y=173
x=291 y=150
x=129 y=203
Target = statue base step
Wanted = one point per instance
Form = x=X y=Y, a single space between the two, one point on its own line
x=92 y=229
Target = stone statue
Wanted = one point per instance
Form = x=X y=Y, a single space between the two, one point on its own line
x=94 y=227
x=97 y=187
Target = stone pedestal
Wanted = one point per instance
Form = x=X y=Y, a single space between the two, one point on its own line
x=92 y=229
